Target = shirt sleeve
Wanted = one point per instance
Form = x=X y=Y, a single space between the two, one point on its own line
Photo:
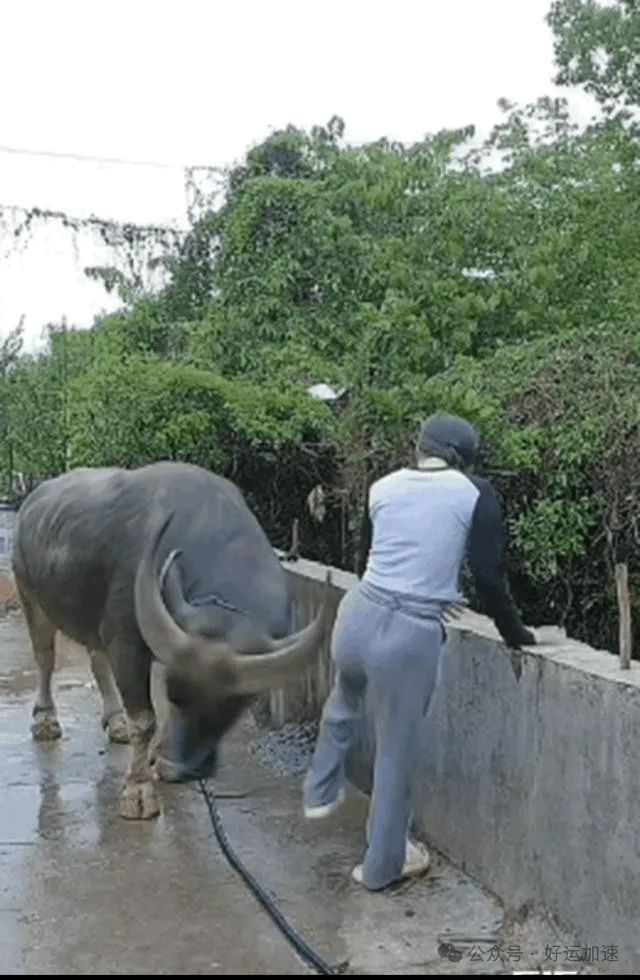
x=487 y=564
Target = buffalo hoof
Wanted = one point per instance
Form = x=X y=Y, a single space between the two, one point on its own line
x=45 y=726
x=139 y=802
x=117 y=728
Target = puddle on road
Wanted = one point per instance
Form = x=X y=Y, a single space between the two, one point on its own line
x=41 y=812
x=18 y=682
x=17 y=668
x=19 y=815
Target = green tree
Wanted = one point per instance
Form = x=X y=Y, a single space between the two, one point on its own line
x=420 y=277
x=35 y=434
x=596 y=46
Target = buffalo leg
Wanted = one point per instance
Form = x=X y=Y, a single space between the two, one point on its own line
x=132 y=667
x=45 y=726
x=114 y=720
x=161 y=707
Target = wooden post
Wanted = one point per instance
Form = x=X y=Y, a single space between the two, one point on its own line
x=624 y=611
x=294 y=551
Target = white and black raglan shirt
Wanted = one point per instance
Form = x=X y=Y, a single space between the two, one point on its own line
x=423 y=522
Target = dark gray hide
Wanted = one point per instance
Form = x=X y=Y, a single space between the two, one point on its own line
x=79 y=543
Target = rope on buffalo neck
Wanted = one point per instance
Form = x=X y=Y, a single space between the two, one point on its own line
x=211 y=598
x=303 y=950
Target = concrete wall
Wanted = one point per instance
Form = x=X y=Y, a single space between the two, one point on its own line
x=7 y=589
x=530 y=778
x=7 y=521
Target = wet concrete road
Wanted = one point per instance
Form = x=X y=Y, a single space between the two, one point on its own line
x=84 y=892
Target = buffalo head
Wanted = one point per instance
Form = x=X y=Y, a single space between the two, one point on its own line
x=211 y=676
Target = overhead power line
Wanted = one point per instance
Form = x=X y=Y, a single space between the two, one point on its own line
x=119 y=161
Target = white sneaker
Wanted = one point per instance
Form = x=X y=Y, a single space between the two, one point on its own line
x=417 y=860
x=319 y=812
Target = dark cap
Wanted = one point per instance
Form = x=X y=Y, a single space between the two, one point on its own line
x=450 y=438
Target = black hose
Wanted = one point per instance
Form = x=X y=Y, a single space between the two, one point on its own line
x=302 y=949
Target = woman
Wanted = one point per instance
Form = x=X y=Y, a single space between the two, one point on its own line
x=389 y=633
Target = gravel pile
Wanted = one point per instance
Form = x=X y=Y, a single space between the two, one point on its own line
x=287 y=751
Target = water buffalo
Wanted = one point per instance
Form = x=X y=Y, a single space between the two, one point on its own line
x=163 y=561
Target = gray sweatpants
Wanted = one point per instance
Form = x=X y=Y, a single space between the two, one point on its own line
x=391 y=648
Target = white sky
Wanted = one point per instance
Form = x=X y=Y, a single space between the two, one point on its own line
x=184 y=82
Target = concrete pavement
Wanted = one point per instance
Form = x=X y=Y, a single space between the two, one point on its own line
x=84 y=892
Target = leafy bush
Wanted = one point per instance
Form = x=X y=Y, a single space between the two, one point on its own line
x=274 y=442
x=561 y=423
